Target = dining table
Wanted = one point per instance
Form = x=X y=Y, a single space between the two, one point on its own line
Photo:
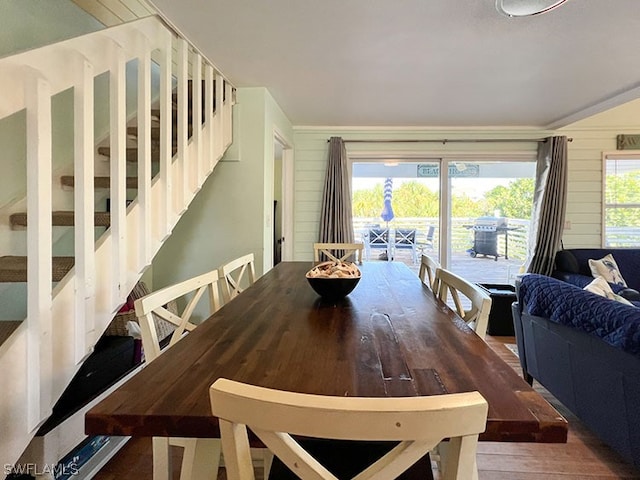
x=390 y=337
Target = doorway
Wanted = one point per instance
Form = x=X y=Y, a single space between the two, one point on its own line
x=278 y=235
x=282 y=206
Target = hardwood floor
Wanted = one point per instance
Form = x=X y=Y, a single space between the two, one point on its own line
x=583 y=457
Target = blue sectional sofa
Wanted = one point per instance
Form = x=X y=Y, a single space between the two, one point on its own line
x=572 y=265
x=584 y=349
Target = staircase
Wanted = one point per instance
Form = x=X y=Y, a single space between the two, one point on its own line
x=176 y=137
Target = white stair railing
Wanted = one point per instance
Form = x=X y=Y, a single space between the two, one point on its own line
x=64 y=322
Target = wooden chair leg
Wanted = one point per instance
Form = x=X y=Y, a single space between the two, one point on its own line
x=267 y=462
x=161 y=458
x=201 y=459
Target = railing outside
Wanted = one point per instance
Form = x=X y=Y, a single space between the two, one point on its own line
x=461 y=236
x=623 y=237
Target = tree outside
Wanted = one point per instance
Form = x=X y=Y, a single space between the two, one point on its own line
x=415 y=199
x=623 y=190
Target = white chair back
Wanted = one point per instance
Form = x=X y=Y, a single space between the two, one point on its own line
x=155 y=304
x=447 y=282
x=338 y=252
x=237 y=275
x=428 y=267
x=417 y=423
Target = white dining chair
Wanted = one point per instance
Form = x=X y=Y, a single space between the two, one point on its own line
x=237 y=275
x=427 y=272
x=417 y=423
x=448 y=283
x=149 y=309
x=201 y=457
x=378 y=238
x=405 y=239
x=338 y=252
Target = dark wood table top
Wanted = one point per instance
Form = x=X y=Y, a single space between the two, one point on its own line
x=389 y=337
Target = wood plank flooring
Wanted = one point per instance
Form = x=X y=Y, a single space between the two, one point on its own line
x=583 y=457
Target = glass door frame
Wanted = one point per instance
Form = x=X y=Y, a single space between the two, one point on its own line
x=443 y=160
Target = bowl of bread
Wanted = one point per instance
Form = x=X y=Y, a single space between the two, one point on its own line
x=334 y=280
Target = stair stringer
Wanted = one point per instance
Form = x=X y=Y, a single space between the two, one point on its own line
x=165 y=205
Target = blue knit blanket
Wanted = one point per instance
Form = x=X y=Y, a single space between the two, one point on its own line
x=561 y=302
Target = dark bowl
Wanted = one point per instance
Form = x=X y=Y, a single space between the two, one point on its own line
x=333 y=288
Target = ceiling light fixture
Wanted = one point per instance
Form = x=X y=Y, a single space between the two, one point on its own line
x=524 y=8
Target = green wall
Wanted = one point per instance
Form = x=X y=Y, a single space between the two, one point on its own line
x=227 y=217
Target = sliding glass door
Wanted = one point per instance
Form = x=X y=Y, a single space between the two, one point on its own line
x=491 y=204
x=472 y=216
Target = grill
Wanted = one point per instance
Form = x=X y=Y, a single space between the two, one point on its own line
x=485 y=236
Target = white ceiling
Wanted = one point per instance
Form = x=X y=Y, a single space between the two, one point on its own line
x=421 y=62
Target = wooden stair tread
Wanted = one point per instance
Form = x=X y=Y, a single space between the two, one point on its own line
x=132 y=153
x=62 y=219
x=14 y=268
x=98 y=182
x=155 y=132
x=155 y=113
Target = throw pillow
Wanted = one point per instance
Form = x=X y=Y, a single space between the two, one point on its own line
x=607 y=268
x=621 y=299
x=601 y=287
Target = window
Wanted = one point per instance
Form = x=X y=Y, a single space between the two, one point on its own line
x=621 y=191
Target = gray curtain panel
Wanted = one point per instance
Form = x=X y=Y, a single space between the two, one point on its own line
x=336 y=220
x=549 y=205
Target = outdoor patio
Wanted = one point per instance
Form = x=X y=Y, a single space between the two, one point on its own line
x=477 y=270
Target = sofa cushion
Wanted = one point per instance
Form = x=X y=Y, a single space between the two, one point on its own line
x=615 y=323
x=630 y=294
x=607 y=268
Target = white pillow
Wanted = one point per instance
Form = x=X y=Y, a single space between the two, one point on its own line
x=607 y=268
x=601 y=287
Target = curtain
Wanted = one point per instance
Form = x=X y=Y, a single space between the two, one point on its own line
x=549 y=205
x=336 y=221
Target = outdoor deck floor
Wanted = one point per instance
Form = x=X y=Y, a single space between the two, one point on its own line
x=477 y=270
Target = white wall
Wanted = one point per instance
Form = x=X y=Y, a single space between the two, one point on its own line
x=312 y=152
x=591 y=138
x=275 y=120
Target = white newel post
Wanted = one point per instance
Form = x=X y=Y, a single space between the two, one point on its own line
x=39 y=249
x=84 y=322
x=196 y=120
x=219 y=123
x=168 y=193
x=118 y=201
x=228 y=105
x=145 y=254
x=208 y=108
x=181 y=169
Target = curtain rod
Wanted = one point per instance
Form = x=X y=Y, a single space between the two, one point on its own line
x=455 y=140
